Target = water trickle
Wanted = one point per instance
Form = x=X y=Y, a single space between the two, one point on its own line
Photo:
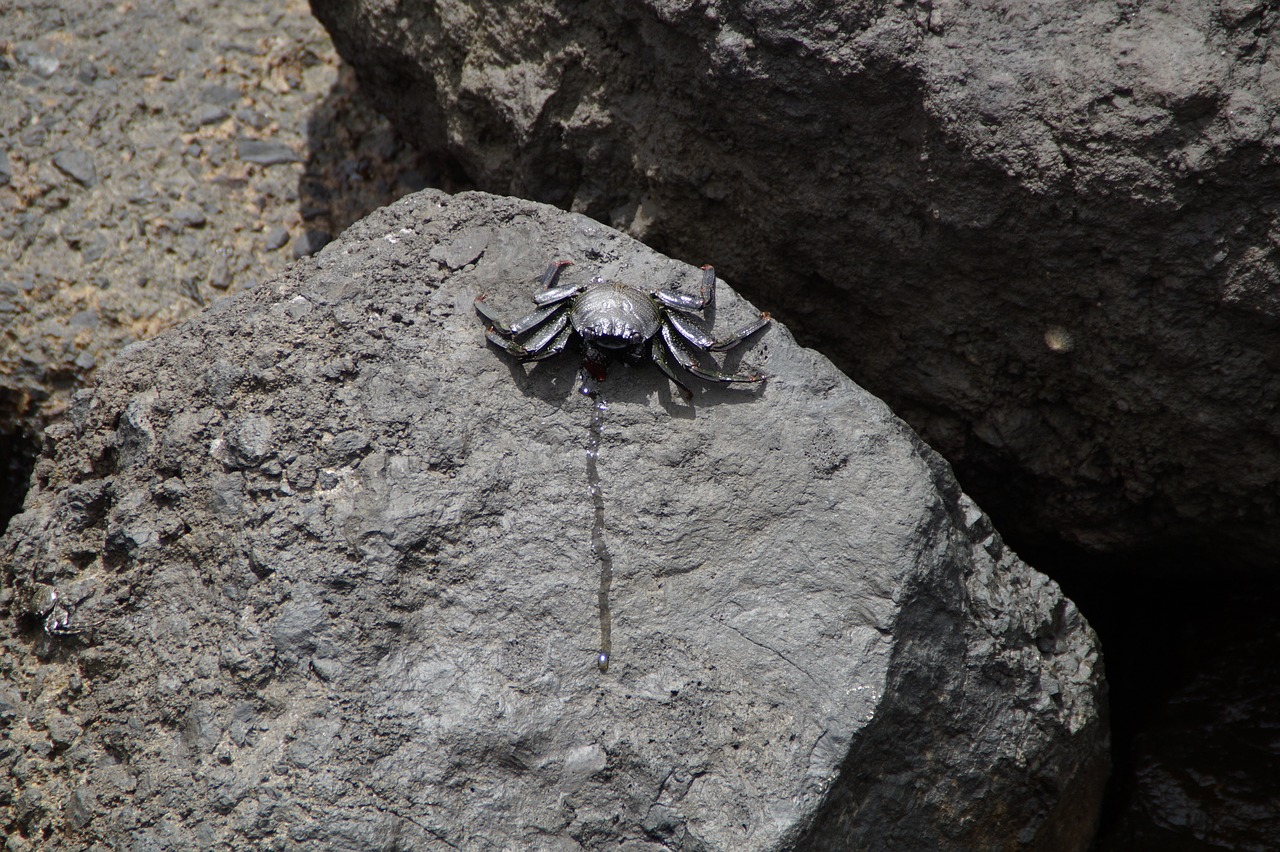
x=599 y=546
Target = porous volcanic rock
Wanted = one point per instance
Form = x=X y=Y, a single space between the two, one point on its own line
x=340 y=553
x=133 y=185
x=1047 y=235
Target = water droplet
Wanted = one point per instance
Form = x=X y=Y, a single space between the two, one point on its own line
x=599 y=546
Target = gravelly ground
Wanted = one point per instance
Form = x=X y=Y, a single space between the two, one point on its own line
x=153 y=157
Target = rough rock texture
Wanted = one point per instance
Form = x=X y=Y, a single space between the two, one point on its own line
x=155 y=155
x=1046 y=234
x=341 y=553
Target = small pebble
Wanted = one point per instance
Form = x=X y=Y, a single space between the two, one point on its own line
x=277 y=237
x=189 y=215
x=38 y=61
x=264 y=153
x=219 y=95
x=209 y=114
x=78 y=165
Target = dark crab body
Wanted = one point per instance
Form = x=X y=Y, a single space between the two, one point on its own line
x=43 y=602
x=619 y=321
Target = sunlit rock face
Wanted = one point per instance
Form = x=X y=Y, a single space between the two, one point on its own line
x=346 y=570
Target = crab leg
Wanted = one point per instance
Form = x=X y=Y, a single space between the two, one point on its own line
x=706 y=342
x=557 y=344
x=548 y=332
x=521 y=325
x=684 y=302
x=559 y=294
x=531 y=348
x=492 y=335
x=552 y=274
x=686 y=360
x=747 y=330
x=548 y=337
x=691 y=332
x=658 y=354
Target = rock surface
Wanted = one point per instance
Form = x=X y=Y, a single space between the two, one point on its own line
x=341 y=556
x=1048 y=236
x=135 y=185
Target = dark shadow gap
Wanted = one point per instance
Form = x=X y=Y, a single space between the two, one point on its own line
x=1191 y=644
x=19 y=449
x=356 y=163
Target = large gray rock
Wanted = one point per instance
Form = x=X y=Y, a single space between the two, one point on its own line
x=342 y=556
x=1047 y=236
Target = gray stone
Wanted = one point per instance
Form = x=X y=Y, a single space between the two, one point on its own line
x=276 y=237
x=1047 y=237
x=32 y=56
x=817 y=640
x=219 y=96
x=11 y=704
x=139 y=115
x=63 y=730
x=78 y=165
x=264 y=153
x=189 y=215
x=208 y=114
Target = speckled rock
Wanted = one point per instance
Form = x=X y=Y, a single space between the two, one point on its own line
x=122 y=188
x=344 y=561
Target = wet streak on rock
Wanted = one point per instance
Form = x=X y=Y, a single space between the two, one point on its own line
x=598 y=544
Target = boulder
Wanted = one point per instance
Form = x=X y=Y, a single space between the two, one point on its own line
x=1047 y=236
x=343 y=571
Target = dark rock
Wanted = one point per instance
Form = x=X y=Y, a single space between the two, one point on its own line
x=253 y=118
x=277 y=237
x=63 y=730
x=78 y=165
x=11 y=704
x=1047 y=239
x=80 y=809
x=6 y=168
x=347 y=444
x=818 y=641
x=310 y=242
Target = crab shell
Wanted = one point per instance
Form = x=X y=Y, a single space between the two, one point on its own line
x=615 y=316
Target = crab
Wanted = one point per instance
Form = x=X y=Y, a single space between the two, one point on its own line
x=619 y=321
x=41 y=601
